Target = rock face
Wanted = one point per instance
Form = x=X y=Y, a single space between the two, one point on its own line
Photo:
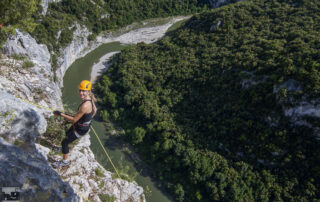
x=73 y=51
x=27 y=95
x=33 y=83
x=85 y=175
x=21 y=164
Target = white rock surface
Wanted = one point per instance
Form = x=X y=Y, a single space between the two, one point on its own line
x=101 y=66
x=35 y=83
x=73 y=51
x=81 y=175
x=146 y=34
x=22 y=120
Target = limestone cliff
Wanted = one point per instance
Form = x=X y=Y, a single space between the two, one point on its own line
x=27 y=93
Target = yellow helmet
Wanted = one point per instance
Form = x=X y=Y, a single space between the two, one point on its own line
x=85 y=85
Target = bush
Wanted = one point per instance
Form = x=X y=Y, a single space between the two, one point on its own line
x=99 y=172
x=106 y=198
x=137 y=135
x=27 y=64
x=104 y=115
x=18 y=57
x=92 y=37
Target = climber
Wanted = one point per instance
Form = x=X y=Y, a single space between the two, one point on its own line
x=80 y=122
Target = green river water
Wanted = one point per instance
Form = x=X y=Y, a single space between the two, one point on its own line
x=80 y=70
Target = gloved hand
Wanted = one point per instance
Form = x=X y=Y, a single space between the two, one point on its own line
x=57 y=113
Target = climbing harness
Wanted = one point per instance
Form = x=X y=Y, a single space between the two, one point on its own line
x=49 y=109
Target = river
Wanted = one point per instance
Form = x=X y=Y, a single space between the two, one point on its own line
x=80 y=70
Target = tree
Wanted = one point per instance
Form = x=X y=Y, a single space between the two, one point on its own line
x=137 y=135
x=18 y=13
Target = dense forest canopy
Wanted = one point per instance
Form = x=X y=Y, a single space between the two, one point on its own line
x=206 y=105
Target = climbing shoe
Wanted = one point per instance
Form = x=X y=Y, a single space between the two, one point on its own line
x=60 y=164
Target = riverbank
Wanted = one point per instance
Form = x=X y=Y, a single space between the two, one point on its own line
x=130 y=35
x=145 y=34
x=123 y=156
x=101 y=66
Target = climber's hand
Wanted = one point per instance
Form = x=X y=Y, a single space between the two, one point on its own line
x=57 y=113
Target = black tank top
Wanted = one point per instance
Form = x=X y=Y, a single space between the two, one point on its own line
x=83 y=124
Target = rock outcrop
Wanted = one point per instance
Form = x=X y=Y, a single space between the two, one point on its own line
x=45 y=4
x=76 y=49
x=27 y=93
x=21 y=164
x=32 y=83
x=89 y=178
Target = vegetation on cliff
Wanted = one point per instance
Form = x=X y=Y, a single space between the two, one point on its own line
x=206 y=105
x=17 y=14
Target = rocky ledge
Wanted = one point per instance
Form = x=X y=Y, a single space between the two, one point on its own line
x=90 y=179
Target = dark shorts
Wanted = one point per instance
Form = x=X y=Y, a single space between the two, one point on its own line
x=69 y=139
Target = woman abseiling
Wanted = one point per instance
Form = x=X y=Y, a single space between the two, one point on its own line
x=80 y=121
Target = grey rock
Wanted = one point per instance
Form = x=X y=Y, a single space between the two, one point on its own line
x=30 y=172
x=45 y=4
x=215 y=26
x=24 y=44
x=73 y=51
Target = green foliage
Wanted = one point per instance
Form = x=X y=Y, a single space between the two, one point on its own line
x=18 y=57
x=202 y=104
x=99 y=16
x=124 y=172
x=27 y=64
x=101 y=185
x=137 y=135
x=179 y=192
x=55 y=132
x=17 y=14
x=106 y=198
x=99 y=172
x=104 y=115
x=18 y=142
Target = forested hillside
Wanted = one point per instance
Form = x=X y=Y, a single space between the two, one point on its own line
x=206 y=106
x=56 y=27
x=104 y=15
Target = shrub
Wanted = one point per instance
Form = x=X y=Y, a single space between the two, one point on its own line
x=106 y=198
x=18 y=57
x=27 y=64
x=99 y=172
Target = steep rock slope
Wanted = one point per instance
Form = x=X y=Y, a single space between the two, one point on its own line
x=27 y=95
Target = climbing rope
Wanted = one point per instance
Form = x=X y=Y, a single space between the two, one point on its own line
x=105 y=151
x=84 y=198
x=35 y=104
